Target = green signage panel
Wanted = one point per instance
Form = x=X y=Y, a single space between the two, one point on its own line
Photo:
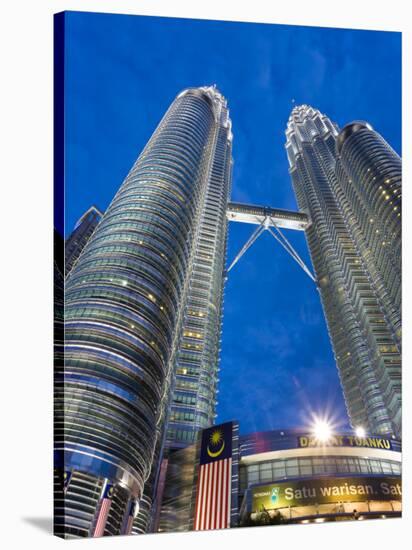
x=322 y=491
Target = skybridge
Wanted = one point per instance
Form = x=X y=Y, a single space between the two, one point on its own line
x=272 y=220
x=250 y=213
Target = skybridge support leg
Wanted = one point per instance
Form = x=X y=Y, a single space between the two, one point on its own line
x=267 y=224
x=282 y=240
x=258 y=231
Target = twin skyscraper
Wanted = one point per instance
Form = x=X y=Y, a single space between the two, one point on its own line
x=137 y=373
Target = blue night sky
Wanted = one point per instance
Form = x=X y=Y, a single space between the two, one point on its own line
x=122 y=73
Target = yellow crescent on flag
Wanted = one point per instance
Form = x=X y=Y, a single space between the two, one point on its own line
x=216 y=453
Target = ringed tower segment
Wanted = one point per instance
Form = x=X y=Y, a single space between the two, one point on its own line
x=370 y=175
x=124 y=311
x=196 y=364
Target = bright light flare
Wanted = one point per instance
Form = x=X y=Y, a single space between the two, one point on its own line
x=360 y=432
x=322 y=430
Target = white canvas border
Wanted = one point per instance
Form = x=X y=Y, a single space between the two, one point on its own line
x=26 y=284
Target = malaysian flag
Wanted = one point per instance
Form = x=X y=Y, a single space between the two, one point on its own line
x=105 y=503
x=130 y=517
x=213 y=496
x=66 y=480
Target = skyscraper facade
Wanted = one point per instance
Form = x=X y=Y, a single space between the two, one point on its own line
x=81 y=233
x=338 y=178
x=193 y=405
x=370 y=175
x=154 y=258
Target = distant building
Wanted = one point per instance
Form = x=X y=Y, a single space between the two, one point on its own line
x=348 y=183
x=81 y=233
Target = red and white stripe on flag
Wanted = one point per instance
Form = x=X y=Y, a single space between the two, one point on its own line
x=128 y=522
x=129 y=525
x=102 y=516
x=213 y=505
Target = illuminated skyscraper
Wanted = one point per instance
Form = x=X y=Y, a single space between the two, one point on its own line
x=150 y=274
x=347 y=183
x=193 y=406
x=370 y=176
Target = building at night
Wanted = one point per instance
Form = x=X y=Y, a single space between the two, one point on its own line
x=81 y=233
x=192 y=402
x=369 y=173
x=293 y=476
x=155 y=257
x=136 y=449
x=196 y=365
x=348 y=183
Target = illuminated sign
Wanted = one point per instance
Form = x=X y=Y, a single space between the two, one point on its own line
x=323 y=491
x=345 y=441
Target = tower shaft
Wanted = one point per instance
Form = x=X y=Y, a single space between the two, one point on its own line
x=364 y=341
x=125 y=302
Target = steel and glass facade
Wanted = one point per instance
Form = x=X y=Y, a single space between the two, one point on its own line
x=369 y=172
x=356 y=272
x=126 y=302
x=193 y=404
x=179 y=490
